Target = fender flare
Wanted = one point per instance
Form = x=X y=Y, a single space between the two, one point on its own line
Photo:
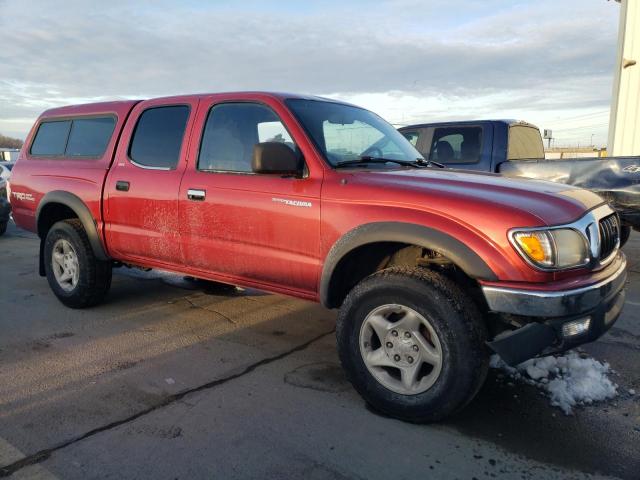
x=426 y=237
x=82 y=211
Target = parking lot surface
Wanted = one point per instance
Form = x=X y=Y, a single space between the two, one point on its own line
x=174 y=378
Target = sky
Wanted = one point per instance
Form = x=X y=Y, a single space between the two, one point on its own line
x=548 y=62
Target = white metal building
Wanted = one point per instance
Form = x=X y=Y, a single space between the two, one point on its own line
x=624 y=123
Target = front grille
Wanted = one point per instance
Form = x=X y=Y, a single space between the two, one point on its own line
x=609 y=235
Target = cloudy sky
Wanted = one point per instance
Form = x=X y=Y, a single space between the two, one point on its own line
x=549 y=62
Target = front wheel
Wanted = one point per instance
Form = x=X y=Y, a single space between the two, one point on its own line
x=74 y=274
x=3 y=227
x=412 y=344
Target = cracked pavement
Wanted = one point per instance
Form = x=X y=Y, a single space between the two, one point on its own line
x=175 y=378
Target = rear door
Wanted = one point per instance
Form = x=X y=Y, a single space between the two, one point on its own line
x=141 y=207
x=258 y=228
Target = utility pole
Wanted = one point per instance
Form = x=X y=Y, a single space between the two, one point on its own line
x=592 y=139
x=624 y=137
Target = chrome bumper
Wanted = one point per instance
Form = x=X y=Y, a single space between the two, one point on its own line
x=532 y=303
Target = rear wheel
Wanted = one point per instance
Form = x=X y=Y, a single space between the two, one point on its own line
x=3 y=227
x=76 y=277
x=412 y=344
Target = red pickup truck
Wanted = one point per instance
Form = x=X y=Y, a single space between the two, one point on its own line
x=431 y=268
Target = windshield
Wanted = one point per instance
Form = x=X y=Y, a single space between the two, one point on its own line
x=344 y=133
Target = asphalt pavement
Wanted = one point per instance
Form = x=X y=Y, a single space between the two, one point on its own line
x=173 y=378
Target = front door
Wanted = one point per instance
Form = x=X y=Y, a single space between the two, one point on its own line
x=263 y=229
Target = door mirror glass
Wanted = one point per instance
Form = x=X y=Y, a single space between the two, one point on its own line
x=275 y=157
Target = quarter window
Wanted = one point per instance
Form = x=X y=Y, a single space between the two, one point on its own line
x=231 y=132
x=524 y=142
x=77 y=137
x=157 y=138
x=89 y=137
x=51 y=138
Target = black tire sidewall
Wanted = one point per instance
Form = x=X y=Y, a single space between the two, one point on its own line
x=459 y=346
x=63 y=230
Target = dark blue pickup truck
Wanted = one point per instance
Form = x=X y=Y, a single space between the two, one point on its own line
x=515 y=149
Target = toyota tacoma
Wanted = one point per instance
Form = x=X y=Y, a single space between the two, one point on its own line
x=431 y=269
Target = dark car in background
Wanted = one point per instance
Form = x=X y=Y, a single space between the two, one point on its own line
x=5 y=208
x=515 y=149
x=5 y=169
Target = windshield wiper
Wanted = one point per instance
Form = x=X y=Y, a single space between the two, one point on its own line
x=428 y=163
x=369 y=159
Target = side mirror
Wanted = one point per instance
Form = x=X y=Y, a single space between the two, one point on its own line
x=275 y=157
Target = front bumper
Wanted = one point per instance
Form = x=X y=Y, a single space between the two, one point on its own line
x=547 y=312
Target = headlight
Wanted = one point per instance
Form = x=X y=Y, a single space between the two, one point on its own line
x=553 y=249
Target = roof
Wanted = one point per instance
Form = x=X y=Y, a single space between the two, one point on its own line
x=509 y=122
x=117 y=106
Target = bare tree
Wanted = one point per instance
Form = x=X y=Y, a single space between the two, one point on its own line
x=8 y=142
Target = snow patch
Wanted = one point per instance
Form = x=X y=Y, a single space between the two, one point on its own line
x=569 y=380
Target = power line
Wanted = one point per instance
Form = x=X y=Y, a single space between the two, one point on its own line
x=583 y=127
x=585 y=115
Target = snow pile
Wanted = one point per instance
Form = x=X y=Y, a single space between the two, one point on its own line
x=569 y=380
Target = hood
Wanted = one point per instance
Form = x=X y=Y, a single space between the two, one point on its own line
x=471 y=193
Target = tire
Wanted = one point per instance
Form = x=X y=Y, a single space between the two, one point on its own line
x=3 y=228
x=625 y=233
x=91 y=278
x=460 y=335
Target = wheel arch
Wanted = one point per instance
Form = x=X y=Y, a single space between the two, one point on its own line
x=60 y=205
x=387 y=238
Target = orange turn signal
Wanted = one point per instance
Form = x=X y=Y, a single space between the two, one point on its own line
x=536 y=246
x=533 y=248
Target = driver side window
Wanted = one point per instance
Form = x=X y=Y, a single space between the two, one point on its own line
x=231 y=132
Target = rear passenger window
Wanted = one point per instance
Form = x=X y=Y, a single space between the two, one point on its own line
x=157 y=138
x=456 y=145
x=51 y=138
x=89 y=137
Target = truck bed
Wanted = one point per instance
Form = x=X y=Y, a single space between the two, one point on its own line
x=617 y=179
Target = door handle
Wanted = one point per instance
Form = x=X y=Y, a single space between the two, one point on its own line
x=195 y=194
x=122 y=186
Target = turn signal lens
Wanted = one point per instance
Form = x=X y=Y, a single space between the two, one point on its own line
x=556 y=248
x=536 y=246
x=533 y=248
